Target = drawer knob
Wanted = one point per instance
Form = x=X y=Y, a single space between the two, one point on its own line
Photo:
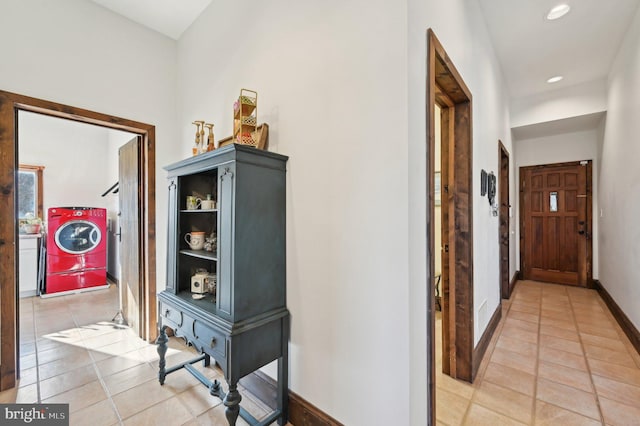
x=213 y=342
x=166 y=313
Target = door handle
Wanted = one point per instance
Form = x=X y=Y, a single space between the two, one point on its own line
x=585 y=233
x=119 y=234
x=581 y=231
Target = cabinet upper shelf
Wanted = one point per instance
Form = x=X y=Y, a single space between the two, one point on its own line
x=201 y=254
x=199 y=211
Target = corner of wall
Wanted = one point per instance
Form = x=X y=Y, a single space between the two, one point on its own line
x=572 y=101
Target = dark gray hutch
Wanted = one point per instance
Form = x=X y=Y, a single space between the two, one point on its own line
x=242 y=322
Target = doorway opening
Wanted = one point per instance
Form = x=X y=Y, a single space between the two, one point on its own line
x=506 y=283
x=10 y=106
x=447 y=90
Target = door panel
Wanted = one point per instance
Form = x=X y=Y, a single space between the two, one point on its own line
x=554 y=211
x=130 y=218
x=447 y=297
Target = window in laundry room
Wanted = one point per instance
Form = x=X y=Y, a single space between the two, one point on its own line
x=30 y=191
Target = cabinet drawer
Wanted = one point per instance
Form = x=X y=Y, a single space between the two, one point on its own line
x=213 y=341
x=172 y=314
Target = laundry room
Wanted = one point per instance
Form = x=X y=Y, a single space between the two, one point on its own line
x=68 y=206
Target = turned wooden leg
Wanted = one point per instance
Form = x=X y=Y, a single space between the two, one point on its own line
x=162 y=351
x=232 y=402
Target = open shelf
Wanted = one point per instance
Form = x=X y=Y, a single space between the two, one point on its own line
x=200 y=254
x=208 y=303
x=199 y=211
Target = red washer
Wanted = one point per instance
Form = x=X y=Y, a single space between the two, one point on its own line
x=76 y=248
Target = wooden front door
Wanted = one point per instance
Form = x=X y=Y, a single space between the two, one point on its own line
x=130 y=218
x=555 y=223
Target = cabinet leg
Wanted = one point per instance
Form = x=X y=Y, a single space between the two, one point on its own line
x=206 y=361
x=283 y=375
x=162 y=351
x=232 y=402
x=283 y=397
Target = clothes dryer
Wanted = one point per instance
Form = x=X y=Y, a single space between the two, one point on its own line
x=76 y=248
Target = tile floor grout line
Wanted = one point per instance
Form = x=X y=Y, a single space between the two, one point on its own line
x=466 y=412
x=103 y=383
x=96 y=369
x=469 y=400
x=535 y=399
x=537 y=369
x=588 y=372
x=472 y=399
x=183 y=404
x=480 y=378
x=35 y=348
x=586 y=359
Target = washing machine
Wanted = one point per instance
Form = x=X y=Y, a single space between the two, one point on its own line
x=76 y=248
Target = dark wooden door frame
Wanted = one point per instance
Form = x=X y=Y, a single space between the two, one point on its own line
x=444 y=79
x=586 y=202
x=505 y=205
x=10 y=105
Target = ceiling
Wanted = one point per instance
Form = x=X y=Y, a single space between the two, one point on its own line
x=566 y=125
x=169 y=17
x=581 y=46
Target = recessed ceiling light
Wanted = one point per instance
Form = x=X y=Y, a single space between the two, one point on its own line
x=558 y=12
x=555 y=79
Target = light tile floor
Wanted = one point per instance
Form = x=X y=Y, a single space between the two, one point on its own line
x=558 y=357
x=72 y=353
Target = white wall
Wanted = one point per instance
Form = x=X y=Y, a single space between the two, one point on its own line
x=331 y=79
x=73 y=155
x=620 y=179
x=459 y=26
x=77 y=53
x=342 y=87
x=572 y=101
x=560 y=148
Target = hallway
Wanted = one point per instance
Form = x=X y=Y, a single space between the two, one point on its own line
x=558 y=357
x=72 y=353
